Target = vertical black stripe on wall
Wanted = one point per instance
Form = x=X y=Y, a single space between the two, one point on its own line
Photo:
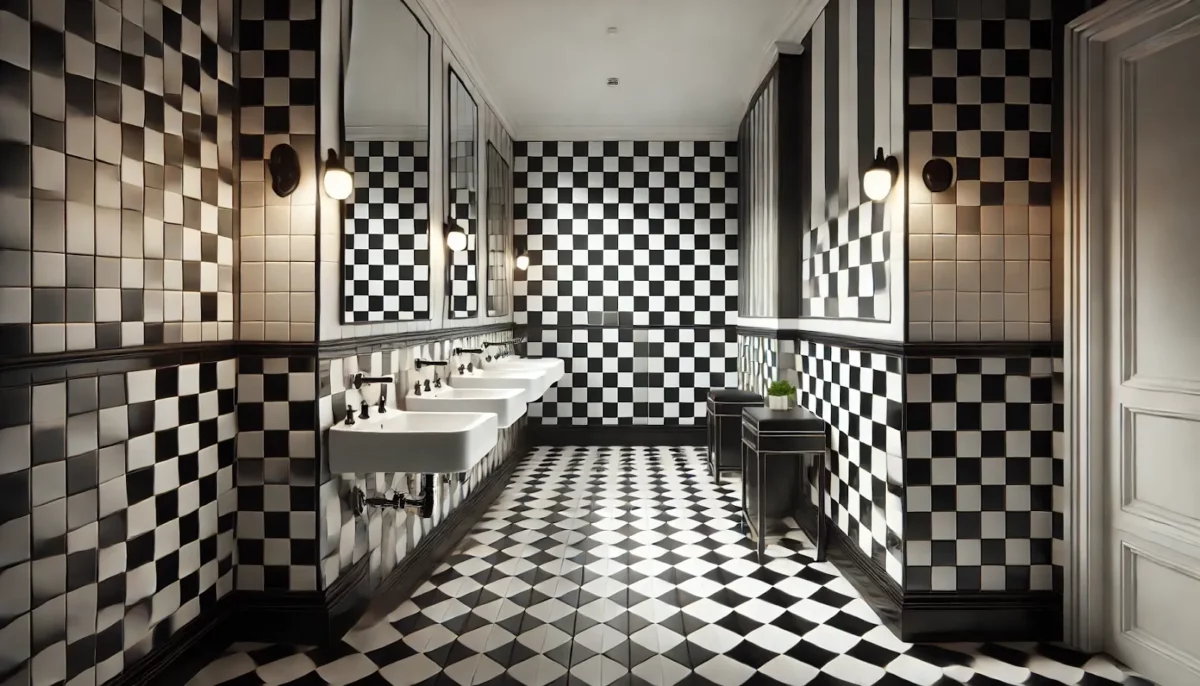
x=866 y=90
x=833 y=171
x=793 y=178
x=806 y=133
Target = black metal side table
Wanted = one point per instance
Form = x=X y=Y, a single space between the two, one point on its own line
x=769 y=478
x=725 y=407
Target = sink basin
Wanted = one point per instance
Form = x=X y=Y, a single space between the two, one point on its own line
x=531 y=381
x=552 y=367
x=421 y=442
x=508 y=404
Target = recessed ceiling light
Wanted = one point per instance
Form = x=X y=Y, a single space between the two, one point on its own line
x=613 y=82
x=612 y=30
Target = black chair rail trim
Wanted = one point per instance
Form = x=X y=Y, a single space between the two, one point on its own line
x=999 y=349
x=44 y=368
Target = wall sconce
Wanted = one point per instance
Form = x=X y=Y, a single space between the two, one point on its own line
x=878 y=181
x=938 y=175
x=522 y=261
x=339 y=184
x=456 y=240
x=284 y=165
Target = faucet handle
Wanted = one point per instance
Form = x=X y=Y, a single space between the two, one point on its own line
x=427 y=387
x=461 y=369
x=417 y=388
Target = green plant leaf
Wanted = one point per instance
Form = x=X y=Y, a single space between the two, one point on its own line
x=781 y=387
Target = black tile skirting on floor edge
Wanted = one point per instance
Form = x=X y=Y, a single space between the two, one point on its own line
x=996 y=349
x=941 y=616
x=617 y=435
x=316 y=617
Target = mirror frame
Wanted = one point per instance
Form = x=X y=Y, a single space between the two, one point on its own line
x=448 y=192
x=346 y=149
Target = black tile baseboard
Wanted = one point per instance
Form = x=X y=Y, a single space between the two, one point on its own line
x=617 y=435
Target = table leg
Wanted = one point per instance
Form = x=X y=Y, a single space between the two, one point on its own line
x=715 y=459
x=822 y=487
x=762 y=511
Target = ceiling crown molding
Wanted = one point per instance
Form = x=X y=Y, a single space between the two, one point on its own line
x=441 y=14
x=798 y=24
x=626 y=133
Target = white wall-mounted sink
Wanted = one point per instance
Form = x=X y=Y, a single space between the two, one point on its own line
x=508 y=404
x=420 y=442
x=531 y=381
x=552 y=367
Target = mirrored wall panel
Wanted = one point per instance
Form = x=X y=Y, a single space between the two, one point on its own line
x=386 y=115
x=499 y=233
x=462 y=197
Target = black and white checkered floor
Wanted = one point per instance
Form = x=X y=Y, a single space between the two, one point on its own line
x=602 y=566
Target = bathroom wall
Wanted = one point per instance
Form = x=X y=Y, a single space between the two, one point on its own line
x=980 y=95
x=632 y=277
x=980 y=474
x=860 y=395
x=117 y=223
x=850 y=251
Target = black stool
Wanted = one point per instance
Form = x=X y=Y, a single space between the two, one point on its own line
x=768 y=491
x=725 y=407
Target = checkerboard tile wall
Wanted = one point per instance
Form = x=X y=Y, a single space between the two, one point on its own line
x=385 y=535
x=117 y=145
x=762 y=360
x=386 y=253
x=846 y=252
x=860 y=395
x=278 y=90
x=980 y=92
x=644 y=229
x=981 y=475
x=277 y=474
x=634 y=376
x=117 y=527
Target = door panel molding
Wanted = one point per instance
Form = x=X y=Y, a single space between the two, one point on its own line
x=1130 y=553
x=1127 y=201
x=1174 y=524
x=1086 y=277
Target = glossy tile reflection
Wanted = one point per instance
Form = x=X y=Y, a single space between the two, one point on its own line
x=627 y=566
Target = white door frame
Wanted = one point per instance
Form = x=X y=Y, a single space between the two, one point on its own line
x=1086 y=517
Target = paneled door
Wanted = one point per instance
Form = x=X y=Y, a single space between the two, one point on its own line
x=1150 y=195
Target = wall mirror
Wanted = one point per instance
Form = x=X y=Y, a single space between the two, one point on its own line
x=499 y=233
x=462 y=194
x=385 y=109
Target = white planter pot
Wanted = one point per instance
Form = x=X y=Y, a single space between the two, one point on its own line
x=779 y=402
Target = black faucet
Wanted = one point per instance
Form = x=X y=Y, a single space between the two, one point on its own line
x=472 y=351
x=349 y=415
x=365 y=414
x=417 y=388
x=437 y=380
x=383 y=399
x=427 y=388
x=360 y=379
x=430 y=363
x=461 y=368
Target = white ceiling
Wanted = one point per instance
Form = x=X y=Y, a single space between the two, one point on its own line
x=687 y=67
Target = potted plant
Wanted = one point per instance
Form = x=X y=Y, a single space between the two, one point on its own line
x=780 y=395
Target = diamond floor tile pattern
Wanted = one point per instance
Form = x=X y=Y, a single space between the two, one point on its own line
x=601 y=566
